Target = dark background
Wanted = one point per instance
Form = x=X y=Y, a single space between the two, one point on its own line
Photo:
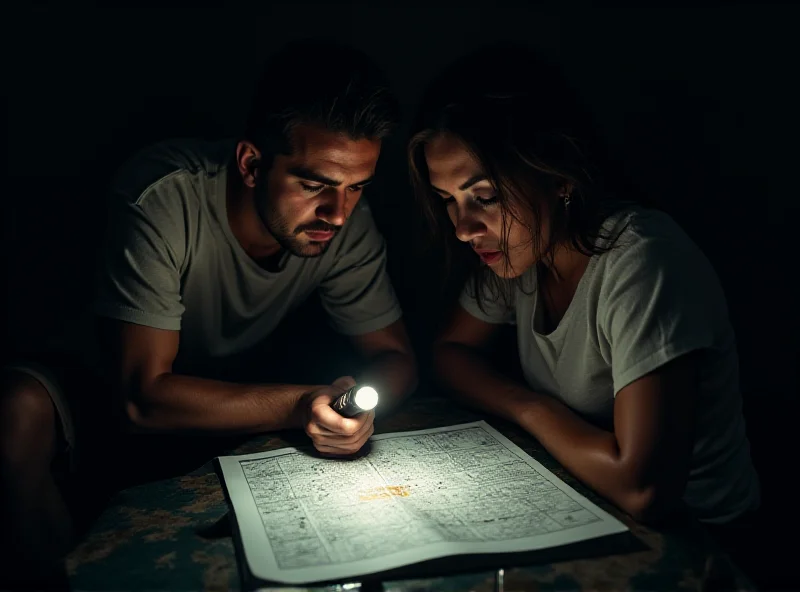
x=694 y=101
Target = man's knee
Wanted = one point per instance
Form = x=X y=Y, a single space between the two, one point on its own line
x=27 y=420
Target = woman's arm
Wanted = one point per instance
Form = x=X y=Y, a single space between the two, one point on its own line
x=462 y=368
x=641 y=467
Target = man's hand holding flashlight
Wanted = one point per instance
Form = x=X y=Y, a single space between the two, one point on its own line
x=330 y=432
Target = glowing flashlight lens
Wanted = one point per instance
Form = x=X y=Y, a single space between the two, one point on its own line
x=366 y=398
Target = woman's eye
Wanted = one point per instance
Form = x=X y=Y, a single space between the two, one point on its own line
x=311 y=188
x=449 y=200
x=486 y=201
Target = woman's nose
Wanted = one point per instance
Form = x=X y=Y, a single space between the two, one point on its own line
x=469 y=228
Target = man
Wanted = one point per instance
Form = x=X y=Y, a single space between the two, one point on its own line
x=210 y=245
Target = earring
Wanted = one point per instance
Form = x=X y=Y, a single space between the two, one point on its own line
x=567 y=199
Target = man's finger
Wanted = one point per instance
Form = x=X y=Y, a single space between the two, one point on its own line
x=337 y=450
x=367 y=422
x=323 y=399
x=363 y=437
x=315 y=429
x=338 y=440
x=326 y=417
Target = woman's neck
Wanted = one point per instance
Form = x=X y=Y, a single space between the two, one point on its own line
x=567 y=265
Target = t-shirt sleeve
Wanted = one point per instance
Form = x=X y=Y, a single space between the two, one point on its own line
x=139 y=275
x=660 y=299
x=357 y=293
x=497 y=302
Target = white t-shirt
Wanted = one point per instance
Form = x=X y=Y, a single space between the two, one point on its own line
x=650 y=299
x=171 y=261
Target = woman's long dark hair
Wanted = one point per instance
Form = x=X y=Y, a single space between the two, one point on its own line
x=520 y=120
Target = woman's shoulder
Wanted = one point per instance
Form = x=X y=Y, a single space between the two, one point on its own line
x=646 y=232
x=647 y=248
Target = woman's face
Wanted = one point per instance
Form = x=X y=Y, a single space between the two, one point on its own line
x=472 y=205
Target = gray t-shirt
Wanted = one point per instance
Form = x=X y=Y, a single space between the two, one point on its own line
x=171 y=261
x=651 y=298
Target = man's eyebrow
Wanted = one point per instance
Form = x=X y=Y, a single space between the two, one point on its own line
x=366 y=181
x=466 y=184
x=309 y=175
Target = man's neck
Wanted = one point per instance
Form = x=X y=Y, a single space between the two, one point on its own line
x=245 y=223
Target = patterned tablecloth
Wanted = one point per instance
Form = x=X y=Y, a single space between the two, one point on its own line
x=174 y=535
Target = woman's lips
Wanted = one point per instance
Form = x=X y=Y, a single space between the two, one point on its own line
x=490 y=257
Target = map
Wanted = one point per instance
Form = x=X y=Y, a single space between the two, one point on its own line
x=418 y=495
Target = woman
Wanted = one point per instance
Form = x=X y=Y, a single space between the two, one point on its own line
x=628 y=356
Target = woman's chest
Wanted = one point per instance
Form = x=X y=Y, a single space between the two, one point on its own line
x=567 y=363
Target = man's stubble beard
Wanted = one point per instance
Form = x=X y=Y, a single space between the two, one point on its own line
x=286 y=237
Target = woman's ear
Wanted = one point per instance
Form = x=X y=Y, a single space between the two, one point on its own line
x=565 y=190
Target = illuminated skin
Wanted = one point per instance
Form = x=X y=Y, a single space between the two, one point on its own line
x=472 y=205
x=642 y=465
x=305 y=198
x=457 y=175
x=296 y=203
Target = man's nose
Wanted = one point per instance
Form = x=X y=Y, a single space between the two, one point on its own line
x=333 y=207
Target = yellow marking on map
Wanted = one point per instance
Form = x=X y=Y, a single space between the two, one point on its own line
x=376 y=493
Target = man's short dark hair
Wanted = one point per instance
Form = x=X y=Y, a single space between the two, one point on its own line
x=322 y=83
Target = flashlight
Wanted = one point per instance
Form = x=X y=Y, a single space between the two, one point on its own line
x=355 y=400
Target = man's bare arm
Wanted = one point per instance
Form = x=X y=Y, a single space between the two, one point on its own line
x=152 y=398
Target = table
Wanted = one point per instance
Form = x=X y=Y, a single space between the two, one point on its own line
x=171 y=535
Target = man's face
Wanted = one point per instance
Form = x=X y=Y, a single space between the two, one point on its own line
x=307 y=196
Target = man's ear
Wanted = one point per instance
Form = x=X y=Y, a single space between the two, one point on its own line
x=248 y=161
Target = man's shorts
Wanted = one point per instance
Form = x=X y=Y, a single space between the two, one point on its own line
x=69 y=384
x=92 y=439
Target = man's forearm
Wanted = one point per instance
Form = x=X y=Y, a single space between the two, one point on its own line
x=183 y=403
x=393 y=375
